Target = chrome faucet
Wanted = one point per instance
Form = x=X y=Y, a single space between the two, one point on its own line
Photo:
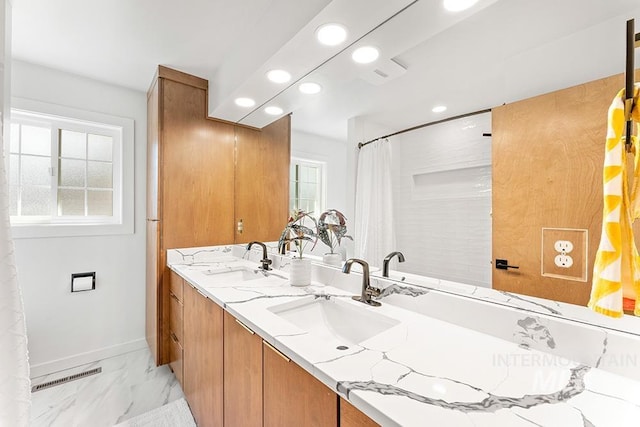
x=367 y=291
x=385 y=263
x=265 y=261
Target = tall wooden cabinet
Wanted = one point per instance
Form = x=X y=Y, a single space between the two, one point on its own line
x=203 y=176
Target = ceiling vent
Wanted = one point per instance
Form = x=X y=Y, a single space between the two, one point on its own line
x=383 y=71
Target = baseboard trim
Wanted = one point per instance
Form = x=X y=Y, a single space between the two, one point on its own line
x=53 y=366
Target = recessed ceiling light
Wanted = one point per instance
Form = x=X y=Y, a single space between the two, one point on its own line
x=365 y=54
x=245 y=102
x=273 y=110
x=309 y=88
x=278 y=76
x=331 y=34
x=439 y=109
x=458 y=5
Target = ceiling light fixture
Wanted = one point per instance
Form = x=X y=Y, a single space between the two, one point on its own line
x=309 y=88
x=331 y=34
x=439 y=109
x=365 y=54
x=278 y=76
x=272 y=110
x=458 y=5
x=245 y=102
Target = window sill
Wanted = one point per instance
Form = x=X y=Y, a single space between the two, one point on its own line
x=36 y=231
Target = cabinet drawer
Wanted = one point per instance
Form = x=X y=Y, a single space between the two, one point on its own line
x=175 y=316
x=175 y=357
x=176 y=284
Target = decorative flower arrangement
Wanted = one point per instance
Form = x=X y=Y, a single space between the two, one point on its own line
x=300 y=230
x=332 y=228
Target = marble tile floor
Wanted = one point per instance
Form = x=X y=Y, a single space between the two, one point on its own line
x=129 y=385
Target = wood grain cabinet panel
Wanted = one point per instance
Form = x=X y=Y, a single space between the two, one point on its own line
x=262 y=181
x=293 y=397
x=196 y=168
x=242 y=375
x=350 y=416
x=203 y=357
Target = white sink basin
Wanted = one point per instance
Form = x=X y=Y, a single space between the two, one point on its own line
x=334 y=321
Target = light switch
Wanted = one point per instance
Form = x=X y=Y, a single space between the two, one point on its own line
x=83 y=282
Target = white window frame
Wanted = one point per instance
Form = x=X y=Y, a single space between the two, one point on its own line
x=122 y=130
x=323 y=180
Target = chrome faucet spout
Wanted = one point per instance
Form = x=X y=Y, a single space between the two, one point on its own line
x=387 y=259
x=265 y=262
x=367 y=291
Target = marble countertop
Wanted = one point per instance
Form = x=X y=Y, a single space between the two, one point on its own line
x=423 y=370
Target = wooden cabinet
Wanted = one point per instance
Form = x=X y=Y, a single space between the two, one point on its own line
x=242 y=374
x=196 y=193
x=175 y=327
x=292 y=396
x=203 y=357
x=262 y=166
x=350 y=416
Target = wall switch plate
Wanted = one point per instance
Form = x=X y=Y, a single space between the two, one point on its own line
x=565 y=253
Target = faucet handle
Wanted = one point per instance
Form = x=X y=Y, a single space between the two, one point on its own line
x=374 y=292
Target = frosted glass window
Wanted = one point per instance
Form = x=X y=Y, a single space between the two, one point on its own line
x=67 y=171
x=306 y=186
x=34 y=170
x=14 y=171
x=13 y=200
x=14 y=145
x=72 y=173
x=99 y=175
x=100 y=148
x=73 y=144
x=35 y=140
x=100 y=202
x=35 y=201
x=70 y=202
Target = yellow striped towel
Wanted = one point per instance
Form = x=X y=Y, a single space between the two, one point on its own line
x=616 y=271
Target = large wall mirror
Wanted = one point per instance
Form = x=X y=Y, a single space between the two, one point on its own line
x=497 y=52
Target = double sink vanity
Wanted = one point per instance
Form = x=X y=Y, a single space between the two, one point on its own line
x=250 y=349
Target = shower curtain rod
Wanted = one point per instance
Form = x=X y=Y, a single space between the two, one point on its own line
x=424 y=125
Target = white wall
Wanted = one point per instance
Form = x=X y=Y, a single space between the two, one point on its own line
x=442 y=200
x=66 y=329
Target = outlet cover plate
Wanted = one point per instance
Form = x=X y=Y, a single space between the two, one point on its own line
x=579 y=238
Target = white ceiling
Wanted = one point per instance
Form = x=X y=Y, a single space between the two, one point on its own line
x=499 y=51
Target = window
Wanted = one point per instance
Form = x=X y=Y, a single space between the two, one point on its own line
x=68 y=173
x=307 y=186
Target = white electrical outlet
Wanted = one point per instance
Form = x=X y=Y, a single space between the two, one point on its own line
x=563 y=246
x=563 y=261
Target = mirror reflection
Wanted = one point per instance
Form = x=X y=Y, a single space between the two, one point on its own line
x=436 y=198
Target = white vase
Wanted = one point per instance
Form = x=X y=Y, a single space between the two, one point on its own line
x=300 y=272
x=332 y=259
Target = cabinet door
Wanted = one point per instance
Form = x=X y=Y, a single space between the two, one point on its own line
x=197 y=171
x=350 y=416
x=262 y=180
x=292 y=396
x=203 y=358
x=242 y=375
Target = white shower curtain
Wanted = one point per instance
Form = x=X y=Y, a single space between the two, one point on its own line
x=374 y=232
x=15 y=386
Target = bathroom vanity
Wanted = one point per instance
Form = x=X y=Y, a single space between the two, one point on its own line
x=257 y=351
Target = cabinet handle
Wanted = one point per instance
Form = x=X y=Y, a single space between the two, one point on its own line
x=276 y=351
x=171 y=294
x=174 y=337
x=245 y=327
